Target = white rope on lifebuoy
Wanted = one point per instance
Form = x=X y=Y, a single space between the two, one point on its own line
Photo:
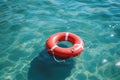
x=57 y=59
x=52 y=49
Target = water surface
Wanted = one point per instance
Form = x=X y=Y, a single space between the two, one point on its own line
x=25 y=25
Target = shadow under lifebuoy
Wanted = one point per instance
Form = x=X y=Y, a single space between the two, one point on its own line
x=44 y=67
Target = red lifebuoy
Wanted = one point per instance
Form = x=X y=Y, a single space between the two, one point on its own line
x=74 y=50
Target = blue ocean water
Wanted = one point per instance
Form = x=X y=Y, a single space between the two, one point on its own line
x=25 y=25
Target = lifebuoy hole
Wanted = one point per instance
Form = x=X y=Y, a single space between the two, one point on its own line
x=64 y=44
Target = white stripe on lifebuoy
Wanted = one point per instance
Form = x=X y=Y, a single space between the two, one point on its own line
x=79 y=46
x=53 y=47
x=66 y=36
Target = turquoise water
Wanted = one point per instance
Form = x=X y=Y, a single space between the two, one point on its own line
x=25 y=25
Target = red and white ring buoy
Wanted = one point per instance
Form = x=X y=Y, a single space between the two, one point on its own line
x=54 y=49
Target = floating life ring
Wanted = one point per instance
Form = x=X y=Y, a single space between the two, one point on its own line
x=74 y=50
